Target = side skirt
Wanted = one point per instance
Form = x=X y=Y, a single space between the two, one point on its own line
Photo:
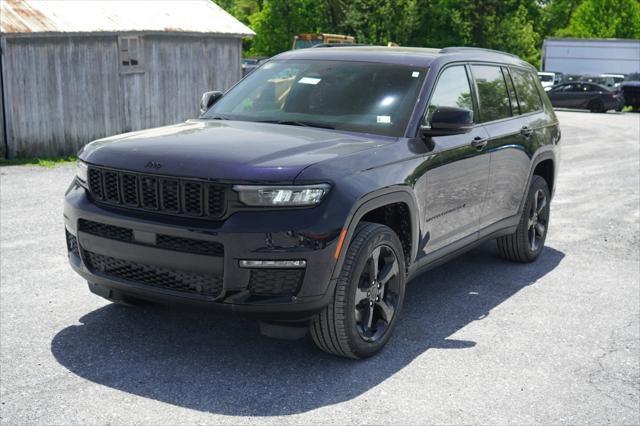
x=504 y=227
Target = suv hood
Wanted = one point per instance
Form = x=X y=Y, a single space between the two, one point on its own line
x=225 y=150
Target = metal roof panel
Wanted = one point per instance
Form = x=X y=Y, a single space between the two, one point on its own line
x=69 y=16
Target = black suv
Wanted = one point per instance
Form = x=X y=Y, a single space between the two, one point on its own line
x=311 y=192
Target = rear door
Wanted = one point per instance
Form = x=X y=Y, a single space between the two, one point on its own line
x=505 y=110
x=456 y=177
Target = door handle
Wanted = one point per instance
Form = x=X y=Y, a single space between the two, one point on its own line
x=526 y=131
x=479 y=142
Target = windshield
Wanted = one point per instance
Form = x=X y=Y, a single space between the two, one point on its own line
x=545 y=77
x=353 y=96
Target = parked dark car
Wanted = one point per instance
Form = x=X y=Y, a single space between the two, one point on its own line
x=250 y=64
x=312 y=191
x=631 y=93
x=591 y=96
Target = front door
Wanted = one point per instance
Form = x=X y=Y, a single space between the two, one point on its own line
x=452 y=190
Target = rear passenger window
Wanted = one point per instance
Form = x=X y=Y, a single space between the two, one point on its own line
x=452 y=90
x=492 y=93
x=528 y=96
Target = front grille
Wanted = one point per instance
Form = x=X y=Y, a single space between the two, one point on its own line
x=167 y=242
x=162 y=194
x=275 y=282
x=155 y=276
x=105 y=231
x=72 y=243
x=189 y=245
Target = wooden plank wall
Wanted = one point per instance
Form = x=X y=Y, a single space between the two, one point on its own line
x=63 y=92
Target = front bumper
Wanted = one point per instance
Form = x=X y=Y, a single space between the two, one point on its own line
x=179 y=260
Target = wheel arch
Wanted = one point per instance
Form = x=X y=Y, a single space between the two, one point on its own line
x=546 y=163
x=367 y=206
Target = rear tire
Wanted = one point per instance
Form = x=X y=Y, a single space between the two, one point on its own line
x=368 y=296
x=596 y=106
x=526 y=244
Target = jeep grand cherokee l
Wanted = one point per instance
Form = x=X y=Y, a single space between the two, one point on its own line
x=311 y=192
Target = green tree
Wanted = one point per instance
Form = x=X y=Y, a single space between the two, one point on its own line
x=556 y=14
x=382 y=21
x=279 y=20
x=604 y=19
x=506 y=25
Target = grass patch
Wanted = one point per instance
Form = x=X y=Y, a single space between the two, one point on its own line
x=38 y=161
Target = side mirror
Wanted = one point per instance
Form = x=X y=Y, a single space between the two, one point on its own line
x=448 y=121
x=208 y=99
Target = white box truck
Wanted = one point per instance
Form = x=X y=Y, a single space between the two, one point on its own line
x=591 y=56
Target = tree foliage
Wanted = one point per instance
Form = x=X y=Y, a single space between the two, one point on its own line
x=604 y=19
x=515 y=26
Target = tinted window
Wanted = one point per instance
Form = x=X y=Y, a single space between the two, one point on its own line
x=355 y=96
x=452 y=90
x=512 y=92
x=576 y=88
x=492 y=93
x=528 y=96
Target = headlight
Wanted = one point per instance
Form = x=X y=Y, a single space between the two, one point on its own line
x=81 y=171
x=282 y=196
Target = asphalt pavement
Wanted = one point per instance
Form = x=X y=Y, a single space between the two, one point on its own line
x=480 y=340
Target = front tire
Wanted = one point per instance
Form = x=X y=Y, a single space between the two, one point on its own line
x=526 y=244
x=368 y=295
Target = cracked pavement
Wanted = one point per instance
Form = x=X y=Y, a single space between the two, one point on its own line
x=480 y=340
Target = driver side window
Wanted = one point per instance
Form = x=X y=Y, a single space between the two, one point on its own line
x=452 y=90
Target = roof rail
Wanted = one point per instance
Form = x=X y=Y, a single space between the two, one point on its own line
x=453 y=49
x=338 y=45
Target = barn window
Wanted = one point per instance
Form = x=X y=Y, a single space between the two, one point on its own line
x=130 y=53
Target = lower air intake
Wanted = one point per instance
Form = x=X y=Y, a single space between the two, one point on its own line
x=170 y=279
x=275 y=282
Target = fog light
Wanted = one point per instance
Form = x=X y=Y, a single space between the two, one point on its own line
x=273 y=263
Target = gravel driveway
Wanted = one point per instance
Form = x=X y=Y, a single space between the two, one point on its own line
x=480 y=340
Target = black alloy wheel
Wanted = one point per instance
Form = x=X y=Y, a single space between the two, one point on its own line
x=538 y=220
x=377 y=293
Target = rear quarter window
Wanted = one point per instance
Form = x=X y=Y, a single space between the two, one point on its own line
x=528 y=96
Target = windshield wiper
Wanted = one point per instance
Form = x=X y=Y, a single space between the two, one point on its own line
x=298 y=123
x=215 y=117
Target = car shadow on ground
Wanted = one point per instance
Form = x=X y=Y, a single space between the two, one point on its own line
x=221 y=364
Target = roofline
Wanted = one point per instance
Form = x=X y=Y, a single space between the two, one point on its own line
x=53 y=34
x=602 y=40
x=404 y=55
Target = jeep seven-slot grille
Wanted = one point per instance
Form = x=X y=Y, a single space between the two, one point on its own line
x=182 y=197
x=156 y=276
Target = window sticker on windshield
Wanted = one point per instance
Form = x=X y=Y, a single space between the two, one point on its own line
x=415 y=74
x=384 y=119
x=309 y=80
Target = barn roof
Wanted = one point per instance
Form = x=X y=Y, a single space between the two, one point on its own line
x=108 y=16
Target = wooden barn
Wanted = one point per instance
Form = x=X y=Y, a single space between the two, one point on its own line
x=74 y=71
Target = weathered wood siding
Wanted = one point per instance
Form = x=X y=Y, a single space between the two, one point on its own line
x=3 y=153
x=62 y=92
